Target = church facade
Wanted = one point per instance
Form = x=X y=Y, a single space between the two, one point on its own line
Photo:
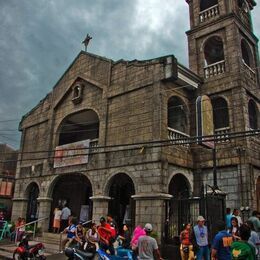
x=118 y=136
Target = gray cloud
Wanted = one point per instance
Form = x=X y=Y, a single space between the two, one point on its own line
x=40 y=38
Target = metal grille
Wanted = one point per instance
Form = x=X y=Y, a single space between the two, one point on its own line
x=181 y=211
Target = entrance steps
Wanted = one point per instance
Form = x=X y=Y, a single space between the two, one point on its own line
x=51 y=241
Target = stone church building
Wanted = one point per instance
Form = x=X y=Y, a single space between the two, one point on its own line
x=118 y=137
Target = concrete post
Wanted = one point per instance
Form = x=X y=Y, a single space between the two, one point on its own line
x=100 y=207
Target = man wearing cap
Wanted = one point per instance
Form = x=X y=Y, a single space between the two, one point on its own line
x=105 y=233
x=147 y=245
x=201 y=235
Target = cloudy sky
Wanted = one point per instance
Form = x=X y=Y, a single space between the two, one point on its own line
x=40 y=38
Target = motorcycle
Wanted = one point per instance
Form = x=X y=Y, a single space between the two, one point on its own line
x=75 y=254
x=24 y=251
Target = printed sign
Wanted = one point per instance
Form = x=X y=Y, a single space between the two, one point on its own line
x=71 y=154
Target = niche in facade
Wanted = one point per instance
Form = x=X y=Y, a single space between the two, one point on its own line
x=77 y=93
x=78 y=127
x=205 y=4
x=213 y=50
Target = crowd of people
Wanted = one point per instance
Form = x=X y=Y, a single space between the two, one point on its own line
x=106 y=234
x=234 y=240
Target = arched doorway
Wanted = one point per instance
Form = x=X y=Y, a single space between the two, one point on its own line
x=75 y=191
x=178 y=208
x=179 y=187
x=32 y=205
x=121 y=206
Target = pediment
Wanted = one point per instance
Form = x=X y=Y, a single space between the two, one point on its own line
x=83 y=80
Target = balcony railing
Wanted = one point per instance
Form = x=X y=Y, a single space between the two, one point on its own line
x=214 y=69
x=250 y=72
x=222 y=135
x=209 y=13
x=178 y=137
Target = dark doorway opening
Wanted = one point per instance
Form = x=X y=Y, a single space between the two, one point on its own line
x=121 y=206
x=32 y=206
x=75 y=191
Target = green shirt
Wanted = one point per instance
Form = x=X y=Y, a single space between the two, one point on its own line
x=242 y=250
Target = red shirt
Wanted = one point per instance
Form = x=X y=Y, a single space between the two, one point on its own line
x=103 y=233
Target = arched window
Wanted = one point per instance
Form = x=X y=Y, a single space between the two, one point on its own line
x=246 y=53
x=213 y=50
x=78 y=127
x=253 y=114
x=220 y=113
x=205 y=4
x=177 y=118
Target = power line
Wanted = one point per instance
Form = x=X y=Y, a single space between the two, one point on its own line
x=148 y=145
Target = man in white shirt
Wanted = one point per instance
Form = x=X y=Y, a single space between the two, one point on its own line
x=239 y=219
x=65 y=214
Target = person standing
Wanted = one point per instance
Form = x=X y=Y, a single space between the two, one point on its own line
x=186 y=248
x=239 y=219
x=65 y=214
x=228 y=217
x=255 y=221
x=56 y=220
x=201 y=236
x=221 y=243
x=147 y=245
x=235 y=230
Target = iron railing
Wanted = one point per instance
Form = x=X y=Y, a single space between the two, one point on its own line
x=35 y=222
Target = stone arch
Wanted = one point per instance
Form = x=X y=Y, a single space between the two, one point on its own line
x=247 y=55
x=78 y=126
x=253 y=114
x=220 y=112
x=31 y=194
x=177 y=115
x=213 y=48
x=74 y=189
x=179 y=186
x=120 y=187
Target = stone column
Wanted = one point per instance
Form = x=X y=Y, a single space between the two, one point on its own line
x=150 y=208
x=44 y=207
x=19 y=208
x=100 y=207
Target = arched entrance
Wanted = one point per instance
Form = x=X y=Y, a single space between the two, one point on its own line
x=75 y=191
x=32 y=205
x=178 y=208
x=121 y=206
x=179 y=187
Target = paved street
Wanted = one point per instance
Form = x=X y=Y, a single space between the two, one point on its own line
x=57 y=257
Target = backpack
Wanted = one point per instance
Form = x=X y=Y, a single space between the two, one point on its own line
x=241 y=250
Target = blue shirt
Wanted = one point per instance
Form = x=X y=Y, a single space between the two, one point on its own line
x=228 y=220
x=222 y=242
x=201 y=234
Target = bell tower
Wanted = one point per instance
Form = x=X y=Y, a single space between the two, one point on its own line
x=223 y=51
x=221 y=39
